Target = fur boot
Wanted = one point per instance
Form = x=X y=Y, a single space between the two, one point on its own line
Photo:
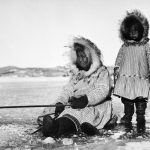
x=66 y=127
x=140 y=112
x=126 y=120
x=88 y=129
x=50 y=126
x=57 y=128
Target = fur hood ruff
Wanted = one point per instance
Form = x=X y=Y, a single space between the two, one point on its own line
x=95 y=56
x=137 y=15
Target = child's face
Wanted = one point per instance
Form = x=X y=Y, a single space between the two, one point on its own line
x=83 y=59
x=134 y=32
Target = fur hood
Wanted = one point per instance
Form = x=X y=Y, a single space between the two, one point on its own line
x=95 y=55
x=137 y=18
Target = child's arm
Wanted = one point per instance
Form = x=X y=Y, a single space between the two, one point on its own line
x=148 y=56
x=119 y=57
x=118 y=61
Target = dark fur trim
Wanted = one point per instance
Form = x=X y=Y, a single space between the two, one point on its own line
x=80 y=43
x=91 y=44
x=137 y=43
x=134 y=18
x=79 y=47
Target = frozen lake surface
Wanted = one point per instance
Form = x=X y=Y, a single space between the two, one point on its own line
x=17 y=124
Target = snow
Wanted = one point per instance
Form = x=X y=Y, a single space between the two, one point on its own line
x=17 y=124
x=49 y=140
x=138 y=146
x=67 y=141
x=117 y=135
x=13 y=134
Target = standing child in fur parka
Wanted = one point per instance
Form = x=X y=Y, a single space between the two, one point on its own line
x=133 y=63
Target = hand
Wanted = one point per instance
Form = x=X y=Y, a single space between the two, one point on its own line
x=59 y=109
x=116 y=70
x=47 y=111
x=51 y=110
x=78 y=103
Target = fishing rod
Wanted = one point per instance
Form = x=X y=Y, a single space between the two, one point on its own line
x=30 y=106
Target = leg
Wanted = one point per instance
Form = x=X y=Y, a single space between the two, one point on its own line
x=50 y=126
x=126 y=120
x=141 y=105
x=112 y=123
x=88 y=129
x=66 y=126
x=58 y=127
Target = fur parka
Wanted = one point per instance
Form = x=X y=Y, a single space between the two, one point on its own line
x=133 y=59
x=94 y=83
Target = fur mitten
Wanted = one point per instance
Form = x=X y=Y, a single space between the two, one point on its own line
x=80 y=102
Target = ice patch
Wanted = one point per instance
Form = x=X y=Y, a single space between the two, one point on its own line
x=12 y=134
x=117 y=135
x=67 y=141
x=49 y=140
x=145 y=145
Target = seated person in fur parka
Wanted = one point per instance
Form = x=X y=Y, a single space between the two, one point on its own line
x=87 y=93
x=133 y=62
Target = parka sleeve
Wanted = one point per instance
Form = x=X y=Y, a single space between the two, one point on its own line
x=67 y=92
x=148 y=56
x=119 y=57
x=63 y=98
x=100 y=90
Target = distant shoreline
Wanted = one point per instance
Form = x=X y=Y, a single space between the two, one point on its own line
x=32 y=79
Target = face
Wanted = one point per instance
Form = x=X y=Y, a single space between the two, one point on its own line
x=134 y=32
x=83 y=58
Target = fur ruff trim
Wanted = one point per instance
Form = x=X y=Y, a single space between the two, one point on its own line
x=137 y=15
x=95 y=55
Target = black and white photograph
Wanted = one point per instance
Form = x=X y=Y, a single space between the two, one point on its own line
x=74 y=75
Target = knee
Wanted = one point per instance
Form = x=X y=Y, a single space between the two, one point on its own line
x=141 y=106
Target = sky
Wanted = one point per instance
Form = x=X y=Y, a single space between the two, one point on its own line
x=34 y=33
